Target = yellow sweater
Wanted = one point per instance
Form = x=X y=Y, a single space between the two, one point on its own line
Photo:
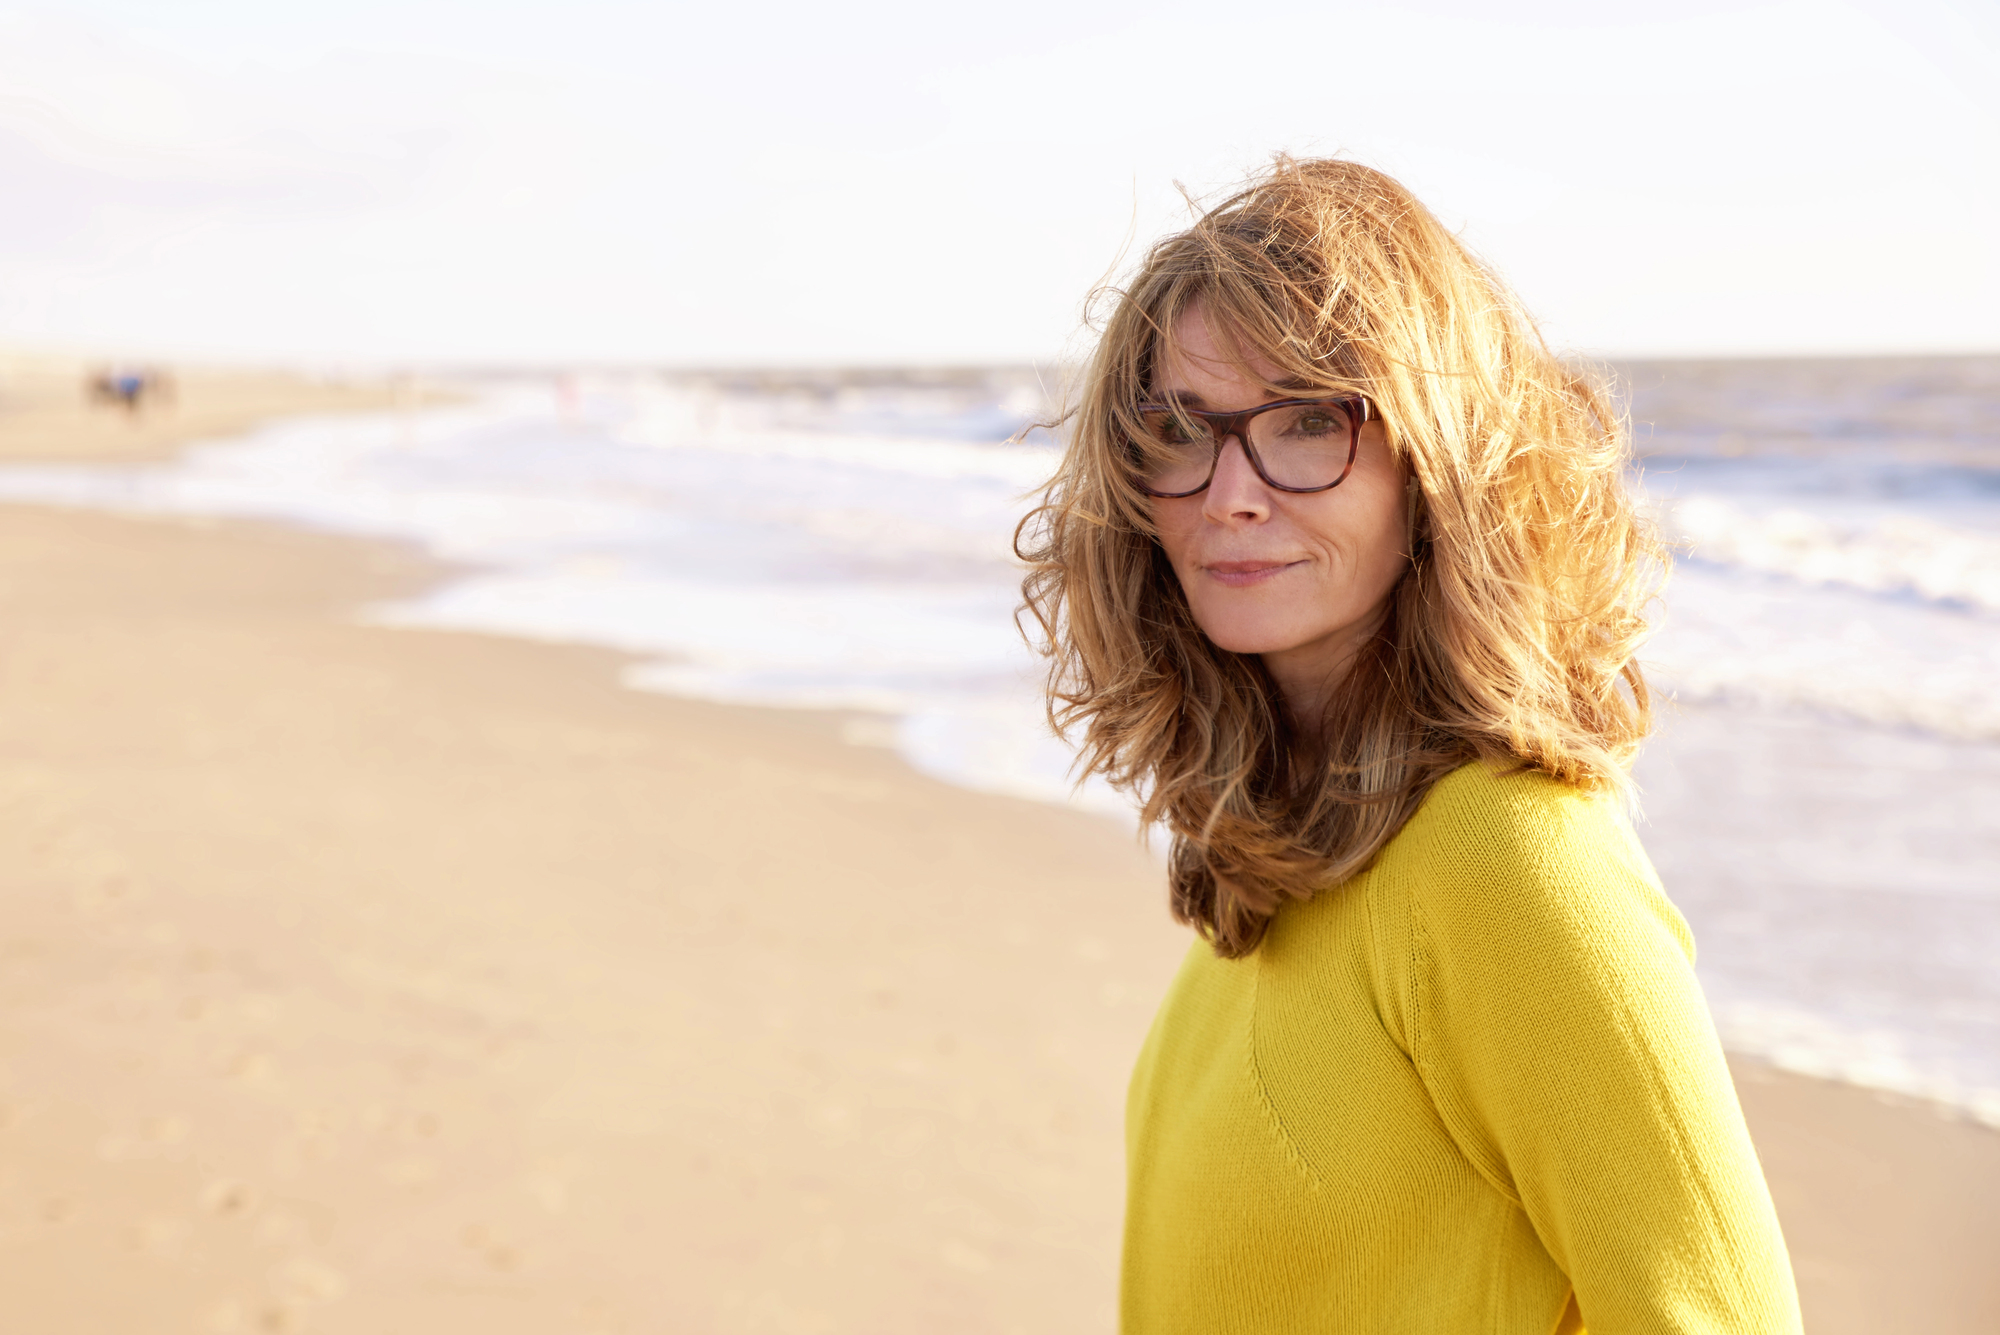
x=1475 y=1089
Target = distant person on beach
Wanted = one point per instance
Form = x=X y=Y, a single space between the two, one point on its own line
x=126 y=387
x=1339 y=573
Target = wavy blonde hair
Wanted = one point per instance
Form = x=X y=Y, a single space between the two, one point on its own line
x=1511 y=635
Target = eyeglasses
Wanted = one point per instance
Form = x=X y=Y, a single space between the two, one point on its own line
x=1298 y=445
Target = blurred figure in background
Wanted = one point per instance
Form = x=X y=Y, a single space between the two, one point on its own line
x=129 y=387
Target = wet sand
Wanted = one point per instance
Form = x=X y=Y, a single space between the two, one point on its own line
x=1891 y=1207
x=381 y=980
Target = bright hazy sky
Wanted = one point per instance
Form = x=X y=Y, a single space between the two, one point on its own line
x=437 y=180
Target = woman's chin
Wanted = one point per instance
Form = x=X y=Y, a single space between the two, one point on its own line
x=1240 y=639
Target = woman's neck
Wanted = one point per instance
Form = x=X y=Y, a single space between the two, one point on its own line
x=1309 y=676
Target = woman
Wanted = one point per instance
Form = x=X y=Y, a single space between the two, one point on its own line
x=1339 y=574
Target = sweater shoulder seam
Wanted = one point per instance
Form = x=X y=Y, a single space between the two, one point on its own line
x=1294 y=1153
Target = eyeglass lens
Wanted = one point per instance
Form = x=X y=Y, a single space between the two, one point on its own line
x=1305 y=446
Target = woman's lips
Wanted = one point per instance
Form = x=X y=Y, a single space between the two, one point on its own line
x=1241 y=574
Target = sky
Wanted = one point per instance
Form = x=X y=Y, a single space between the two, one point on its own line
x=437 y=182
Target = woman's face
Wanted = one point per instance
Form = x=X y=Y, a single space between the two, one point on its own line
x=1299 y=579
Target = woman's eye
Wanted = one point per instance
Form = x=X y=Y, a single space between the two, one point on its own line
x=1317 y=424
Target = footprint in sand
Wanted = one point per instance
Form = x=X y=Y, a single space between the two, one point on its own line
x=226 y=1198
x=293 y=1288
x=270 y=1317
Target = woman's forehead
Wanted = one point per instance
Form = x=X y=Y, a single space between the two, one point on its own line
x=1199 y=354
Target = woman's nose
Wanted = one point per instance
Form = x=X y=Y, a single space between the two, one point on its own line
x=1236 y=492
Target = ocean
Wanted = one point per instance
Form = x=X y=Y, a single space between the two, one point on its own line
x=1823 y=798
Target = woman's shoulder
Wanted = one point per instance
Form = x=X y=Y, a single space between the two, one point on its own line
x=1491 y=846
x=1481 y=801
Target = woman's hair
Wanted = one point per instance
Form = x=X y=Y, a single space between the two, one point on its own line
x=1510 y=637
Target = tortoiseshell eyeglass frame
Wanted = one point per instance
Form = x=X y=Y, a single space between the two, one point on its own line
x=1225 y=425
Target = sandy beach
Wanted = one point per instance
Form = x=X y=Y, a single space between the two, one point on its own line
x=46 y=415
x=377 y=980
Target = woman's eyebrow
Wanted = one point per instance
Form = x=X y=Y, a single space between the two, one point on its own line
x=1189 y=399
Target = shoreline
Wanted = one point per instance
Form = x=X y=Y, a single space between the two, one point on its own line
x=1686 y=856
x=371 y=975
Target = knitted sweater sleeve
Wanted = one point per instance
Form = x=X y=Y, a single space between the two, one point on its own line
x=1554 y=1015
